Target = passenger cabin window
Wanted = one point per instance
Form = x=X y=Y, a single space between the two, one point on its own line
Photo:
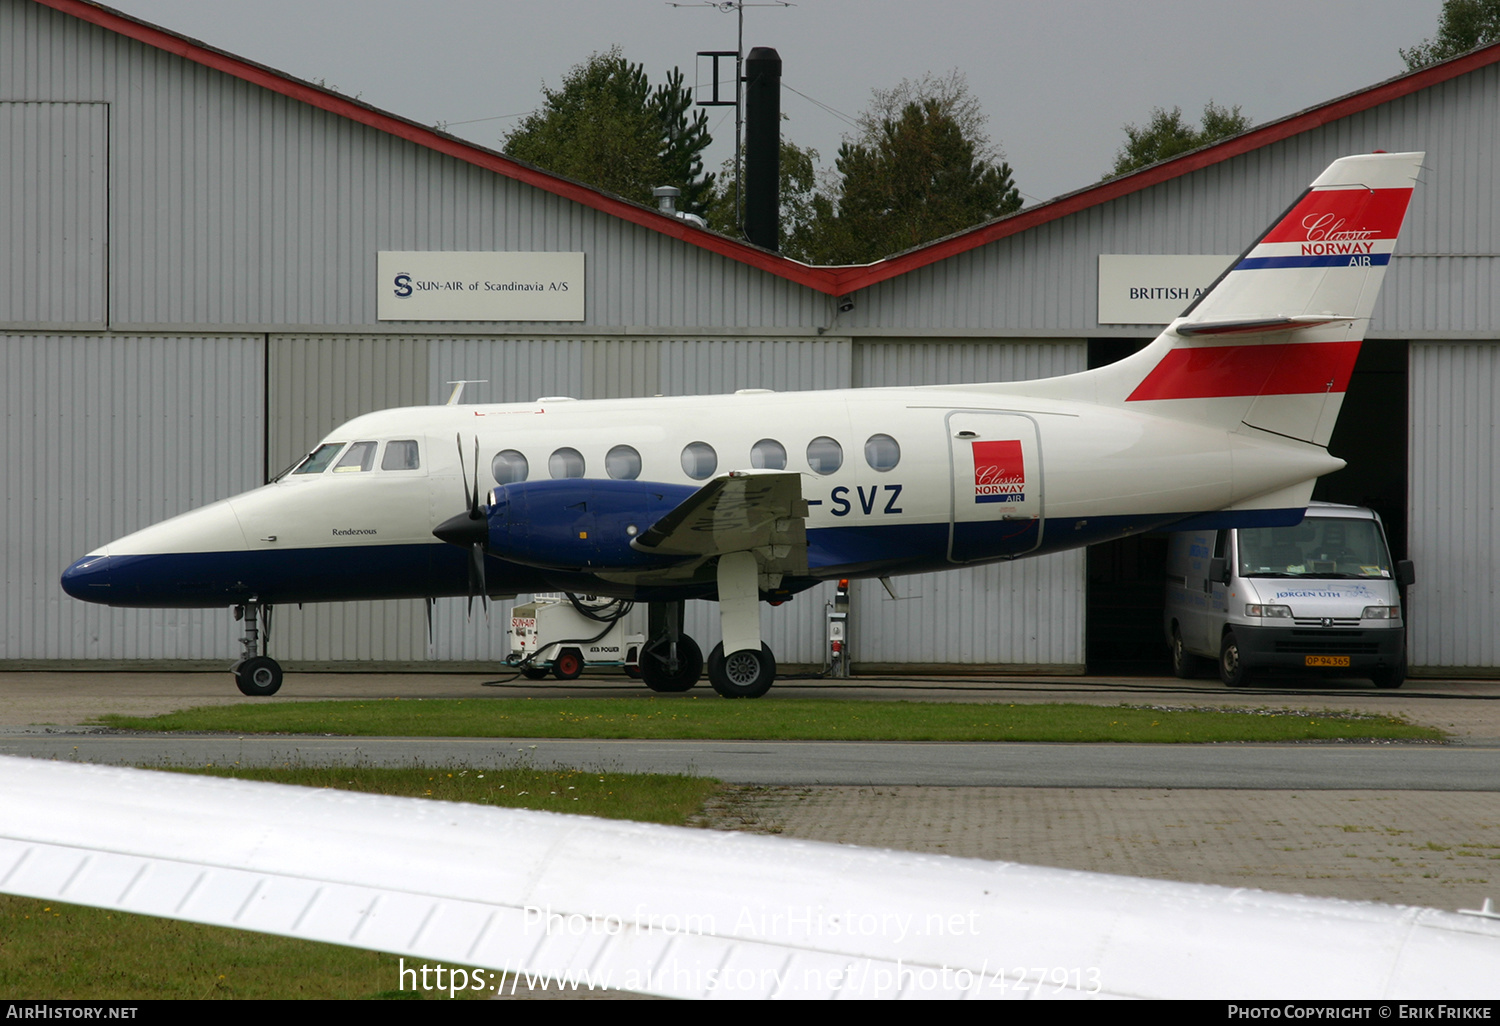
x=401 y=454
x=768 y=454
x=359 y=457
x=824 y=455
x=317 y=461
x=882 y=452
x=623 y=463
x=565 y=463
x=509 y=466
x=699 y=460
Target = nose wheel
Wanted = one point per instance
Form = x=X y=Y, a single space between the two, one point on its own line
x=256 y=673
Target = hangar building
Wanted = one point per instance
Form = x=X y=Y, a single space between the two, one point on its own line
x=192 y=294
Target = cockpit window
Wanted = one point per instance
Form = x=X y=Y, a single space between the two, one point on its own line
x=317 y=461
x=401 y=454
x=360 y=457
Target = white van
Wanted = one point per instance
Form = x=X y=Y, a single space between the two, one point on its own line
x=1319 y=597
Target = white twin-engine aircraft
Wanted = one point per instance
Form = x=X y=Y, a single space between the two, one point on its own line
x=1223 y=421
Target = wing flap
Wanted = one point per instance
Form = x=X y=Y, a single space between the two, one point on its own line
x=739 y=511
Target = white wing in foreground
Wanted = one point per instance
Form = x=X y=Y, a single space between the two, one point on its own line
x=693 y=913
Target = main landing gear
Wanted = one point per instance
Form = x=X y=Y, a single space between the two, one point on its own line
x=256 y=673
x=670 y=660
x=742 y=666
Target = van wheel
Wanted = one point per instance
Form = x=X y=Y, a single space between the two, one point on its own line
x=1232 y=669
x=1184 y=663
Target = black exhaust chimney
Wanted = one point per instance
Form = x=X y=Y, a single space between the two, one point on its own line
x=763 y=147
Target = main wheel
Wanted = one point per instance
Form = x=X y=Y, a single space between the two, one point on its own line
x=1232 y=669
x=258 y=676
x=658 y=677
x=1184 y=663
x=742 y=674
x=568 y=665
x=535 y=672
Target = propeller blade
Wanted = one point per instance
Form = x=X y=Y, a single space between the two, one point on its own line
x=474 y=504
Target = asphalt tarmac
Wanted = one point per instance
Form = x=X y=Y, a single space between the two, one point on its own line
x=1410 y=824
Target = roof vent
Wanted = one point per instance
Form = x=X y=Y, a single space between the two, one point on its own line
x=666 y=199
x=666 y=202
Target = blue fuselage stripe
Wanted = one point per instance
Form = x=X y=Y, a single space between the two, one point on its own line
x=361 y=572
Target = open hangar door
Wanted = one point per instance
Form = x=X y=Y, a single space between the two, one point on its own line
x=1126 y=578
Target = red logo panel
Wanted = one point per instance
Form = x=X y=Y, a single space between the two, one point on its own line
x=1328 y=217
x=999 y=472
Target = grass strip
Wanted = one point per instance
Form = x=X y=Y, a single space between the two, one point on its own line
x=787 y=719
x=57 y=951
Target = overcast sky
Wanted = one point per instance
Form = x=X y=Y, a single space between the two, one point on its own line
x=1058 y=78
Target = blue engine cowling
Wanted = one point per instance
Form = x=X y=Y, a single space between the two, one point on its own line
x=579 y=523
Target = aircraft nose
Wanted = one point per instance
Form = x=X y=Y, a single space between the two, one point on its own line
x=88 y=578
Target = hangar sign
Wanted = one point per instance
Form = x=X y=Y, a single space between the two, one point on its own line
x=1153 y=289
x=433 y=286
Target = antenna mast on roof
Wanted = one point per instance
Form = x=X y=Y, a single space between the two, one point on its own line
x=724 y=7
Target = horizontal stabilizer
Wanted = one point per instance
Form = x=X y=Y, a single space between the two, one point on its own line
x=1257 y=327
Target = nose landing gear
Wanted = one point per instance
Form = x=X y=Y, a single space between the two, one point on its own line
x=256 y=673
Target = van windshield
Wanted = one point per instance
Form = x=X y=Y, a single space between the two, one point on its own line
x=1317 y=547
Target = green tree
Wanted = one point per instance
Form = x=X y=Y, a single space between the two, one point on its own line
x=1166 y=135
x=798 y=186
x=1463 y=25
x=608 y=128
x=921 y=168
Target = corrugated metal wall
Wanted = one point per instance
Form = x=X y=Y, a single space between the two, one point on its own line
x=1455 y=517
x=232 y=205
x=1026 y=613
x=104 y=436
x=54 y=210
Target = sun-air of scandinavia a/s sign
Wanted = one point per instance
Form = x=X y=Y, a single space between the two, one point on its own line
x=433 y=286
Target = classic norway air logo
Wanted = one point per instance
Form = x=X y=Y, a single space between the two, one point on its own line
x=1326 y=234
x=999 y=473
x=1334 y=228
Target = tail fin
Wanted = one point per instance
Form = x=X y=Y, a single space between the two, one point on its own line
x=1273 y=342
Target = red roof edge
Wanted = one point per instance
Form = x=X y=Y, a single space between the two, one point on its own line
x=830 y=280
x=851 y=278
x=373 y=117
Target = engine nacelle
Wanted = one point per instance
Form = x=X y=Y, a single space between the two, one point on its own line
x=579 y=523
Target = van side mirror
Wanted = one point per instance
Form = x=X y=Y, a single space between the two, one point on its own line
x=1218 y=570
x=1406 y=573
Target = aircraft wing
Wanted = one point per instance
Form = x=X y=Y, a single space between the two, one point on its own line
x=739 y=511
x=691 y=913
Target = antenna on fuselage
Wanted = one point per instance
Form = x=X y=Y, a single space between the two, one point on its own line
x=458 y=389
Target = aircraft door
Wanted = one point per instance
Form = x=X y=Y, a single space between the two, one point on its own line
x=995 y=461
